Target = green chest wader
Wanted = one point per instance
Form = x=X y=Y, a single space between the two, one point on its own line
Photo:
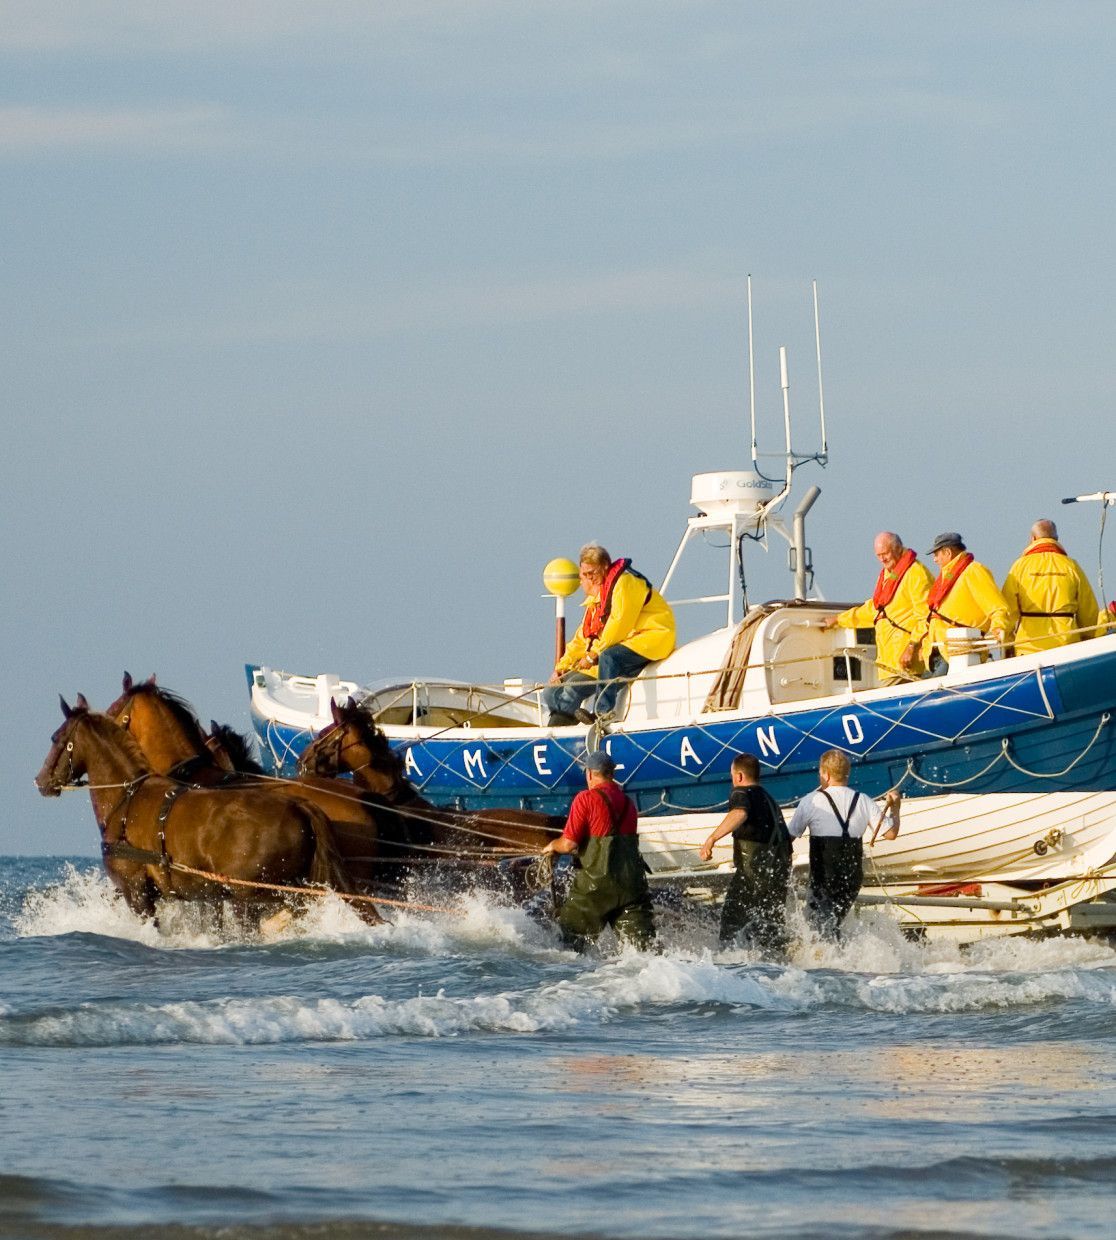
x=836 y=871
x=756 y=899
x=610 y=888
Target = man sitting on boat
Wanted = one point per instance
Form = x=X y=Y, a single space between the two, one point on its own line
x=627 y=624
x=964 y=596
x=897 y=604
x=609 y=887
x=1050 y=600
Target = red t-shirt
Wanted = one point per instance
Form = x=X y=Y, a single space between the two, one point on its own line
x=589 y=814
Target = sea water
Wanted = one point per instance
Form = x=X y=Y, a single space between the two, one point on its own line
x=460 y=1074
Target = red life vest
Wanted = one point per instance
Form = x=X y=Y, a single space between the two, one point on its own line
x=1046 y=544
x=947 y=579
x=888 y=583
x=596 y=615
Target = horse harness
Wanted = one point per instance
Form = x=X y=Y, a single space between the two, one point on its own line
x=121 y=849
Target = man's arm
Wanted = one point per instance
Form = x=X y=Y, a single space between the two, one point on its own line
x=733 y=819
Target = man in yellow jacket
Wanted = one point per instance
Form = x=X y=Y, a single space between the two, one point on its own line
x=1049 y=598
x=897 y=605
x=627 y=624
x=964 y=596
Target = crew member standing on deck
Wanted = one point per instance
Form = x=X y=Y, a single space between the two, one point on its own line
x=610 y=885
x=837 y=817
x=627 y=624
x=1049 y=598
x=897 y=605
x=964 y=596
x=755 y=904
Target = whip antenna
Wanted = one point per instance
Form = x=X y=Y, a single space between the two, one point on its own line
x=752 y=374
x=824 y=454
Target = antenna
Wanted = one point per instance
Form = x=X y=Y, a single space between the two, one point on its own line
x=824 y=454
x=752 y=373
x=784 y=383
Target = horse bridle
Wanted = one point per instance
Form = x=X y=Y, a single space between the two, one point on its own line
x=337 y=746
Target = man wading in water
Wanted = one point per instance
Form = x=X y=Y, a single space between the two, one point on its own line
x=837 y=817
x=755 y=904
x=610 y=887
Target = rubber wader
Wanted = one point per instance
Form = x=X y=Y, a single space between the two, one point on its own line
x=836 y=872
x=610 y=889
x=755 y=904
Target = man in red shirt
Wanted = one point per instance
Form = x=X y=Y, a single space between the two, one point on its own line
x=610 y=887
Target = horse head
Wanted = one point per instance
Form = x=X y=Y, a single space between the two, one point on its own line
x=354 y=743
x=230 y=750
x=163 y=724
x=63 y=764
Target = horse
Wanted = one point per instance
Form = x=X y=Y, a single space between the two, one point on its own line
x=226 y=745
x=156 y=830
x=377 y=843
x=354 y=743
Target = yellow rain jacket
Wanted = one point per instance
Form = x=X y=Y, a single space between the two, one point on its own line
x=975 y=602
x=639 y=618
x=895 y=623
x=1049 y=597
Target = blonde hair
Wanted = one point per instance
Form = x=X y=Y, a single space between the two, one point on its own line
x=836 y=765
x=596 y=555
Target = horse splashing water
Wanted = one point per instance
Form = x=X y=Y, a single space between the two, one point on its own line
x=161 y=838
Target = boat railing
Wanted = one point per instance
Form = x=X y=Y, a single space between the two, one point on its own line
x=524 y=707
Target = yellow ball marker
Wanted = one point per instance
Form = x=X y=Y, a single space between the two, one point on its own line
x=560 y=577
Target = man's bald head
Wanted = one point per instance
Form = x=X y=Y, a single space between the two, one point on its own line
x=1044 y=529
x=887 y=548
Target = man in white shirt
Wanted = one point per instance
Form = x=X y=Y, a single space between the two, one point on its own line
x=837 y=817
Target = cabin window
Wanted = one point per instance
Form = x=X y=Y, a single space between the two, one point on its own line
x=846 y=668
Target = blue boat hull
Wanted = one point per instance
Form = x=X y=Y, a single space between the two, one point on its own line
x=1044 y=729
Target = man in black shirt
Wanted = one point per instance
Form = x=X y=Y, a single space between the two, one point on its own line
x=756 y=900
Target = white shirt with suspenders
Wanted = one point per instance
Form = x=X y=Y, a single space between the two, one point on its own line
x=815 y=814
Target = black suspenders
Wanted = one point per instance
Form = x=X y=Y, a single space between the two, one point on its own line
x=844 y=822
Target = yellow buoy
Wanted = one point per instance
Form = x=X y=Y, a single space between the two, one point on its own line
x=560 y=577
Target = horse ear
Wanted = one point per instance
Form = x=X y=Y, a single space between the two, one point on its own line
x=128 y=682
x=151 y=679
x=336 y=711
x=65 y=707
x=213 y=726
x=81 y=703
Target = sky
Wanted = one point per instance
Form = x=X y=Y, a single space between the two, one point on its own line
x=325 y=325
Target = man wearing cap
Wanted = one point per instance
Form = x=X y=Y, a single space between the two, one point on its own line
x=897 y=604
x=627 y=624
x=964 y=596
x=1049 y=598
x=610 y=887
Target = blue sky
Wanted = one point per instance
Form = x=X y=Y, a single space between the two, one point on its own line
x=326 y=325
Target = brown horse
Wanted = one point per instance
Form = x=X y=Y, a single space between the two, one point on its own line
x=355 y=744
x=377 y=842
x=155 y=829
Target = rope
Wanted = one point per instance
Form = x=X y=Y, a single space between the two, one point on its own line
x=350 y=898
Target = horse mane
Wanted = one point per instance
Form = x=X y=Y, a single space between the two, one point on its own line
x=239 y=748
x=182 y=711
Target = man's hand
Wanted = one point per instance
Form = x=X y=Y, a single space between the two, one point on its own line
x=830 y=622
x=910 y=653
x=555 y=678
x=705 y=852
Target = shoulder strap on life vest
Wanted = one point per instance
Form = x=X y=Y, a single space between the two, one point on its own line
x=888 y=583
x=947 y=579
x=844 y=822
x=597 y=616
